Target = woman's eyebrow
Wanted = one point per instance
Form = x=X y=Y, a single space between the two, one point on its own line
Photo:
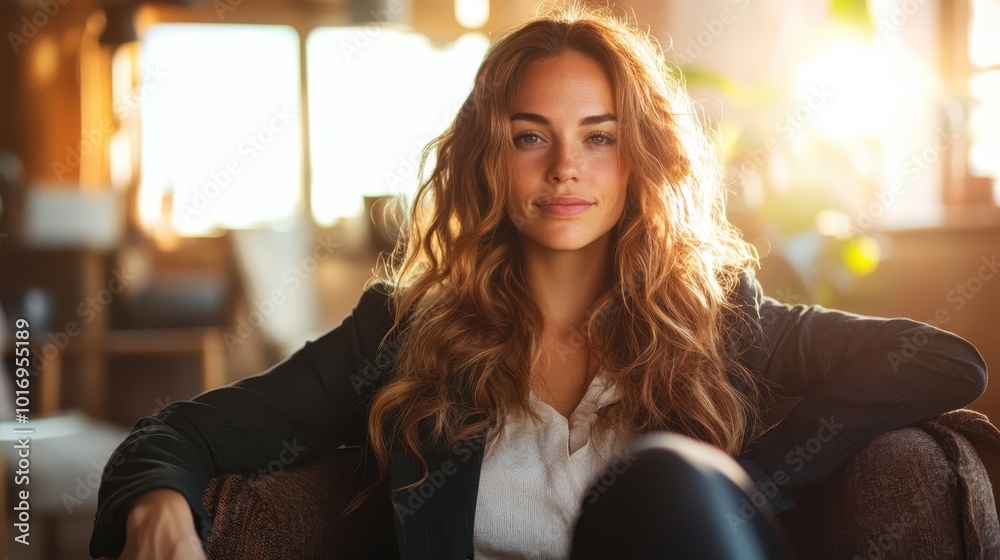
x=585 y=121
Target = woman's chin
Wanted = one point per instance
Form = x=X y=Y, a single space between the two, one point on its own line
x=559 y=242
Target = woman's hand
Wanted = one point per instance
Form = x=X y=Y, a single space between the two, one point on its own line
x=160 y=526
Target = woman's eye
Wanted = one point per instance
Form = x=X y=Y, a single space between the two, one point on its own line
x=530 y=139
x=521 y=137
x=602 y=139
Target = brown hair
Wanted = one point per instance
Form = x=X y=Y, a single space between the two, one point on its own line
x=660 y=331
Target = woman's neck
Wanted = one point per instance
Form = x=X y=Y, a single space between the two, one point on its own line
x=564 y=284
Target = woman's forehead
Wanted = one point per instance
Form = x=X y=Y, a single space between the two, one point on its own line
x=568 y=83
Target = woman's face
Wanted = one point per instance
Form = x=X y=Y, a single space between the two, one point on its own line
x=567 y=184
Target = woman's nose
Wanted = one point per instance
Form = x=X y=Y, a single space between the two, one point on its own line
x=565 y=163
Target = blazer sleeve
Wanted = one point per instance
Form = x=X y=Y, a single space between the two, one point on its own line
x=303 y=407
x=857 y=376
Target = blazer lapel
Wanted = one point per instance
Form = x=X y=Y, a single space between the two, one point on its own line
x=435 y=520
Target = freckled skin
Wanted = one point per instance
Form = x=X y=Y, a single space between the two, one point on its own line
x=564 y=158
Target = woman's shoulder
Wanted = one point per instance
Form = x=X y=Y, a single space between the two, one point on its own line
x=375 y=291
x=745 y=295
x=368 y=322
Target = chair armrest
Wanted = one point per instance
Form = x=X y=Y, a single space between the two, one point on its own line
x=295 y=513
x=918 y=492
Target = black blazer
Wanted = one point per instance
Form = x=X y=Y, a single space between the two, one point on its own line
x=857 y=377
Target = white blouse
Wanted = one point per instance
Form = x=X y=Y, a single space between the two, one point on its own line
x=534 y=479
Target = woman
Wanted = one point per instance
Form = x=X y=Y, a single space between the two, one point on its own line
x=568 y=350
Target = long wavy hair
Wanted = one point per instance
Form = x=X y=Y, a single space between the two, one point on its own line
x=472 y=332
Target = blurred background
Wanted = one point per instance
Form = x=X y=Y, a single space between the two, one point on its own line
x=191 y=189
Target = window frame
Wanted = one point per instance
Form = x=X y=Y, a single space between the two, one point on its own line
x=304 y=18
x=960 y=187
x=300 y=17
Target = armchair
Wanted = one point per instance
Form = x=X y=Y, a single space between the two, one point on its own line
x=919 y=492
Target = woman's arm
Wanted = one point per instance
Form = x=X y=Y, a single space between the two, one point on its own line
x=858 y=377
x=301 y=408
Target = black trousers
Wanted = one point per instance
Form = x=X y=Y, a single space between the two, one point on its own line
x=672 y=497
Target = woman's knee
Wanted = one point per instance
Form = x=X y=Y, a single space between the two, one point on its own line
x=686 y=492
x=685 y=459
x=661 y=465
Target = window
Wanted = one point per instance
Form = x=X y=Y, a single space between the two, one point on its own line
x=886 y=112
x=984 y=92
x=376 y=97
x=222 y=141
x=221 y=132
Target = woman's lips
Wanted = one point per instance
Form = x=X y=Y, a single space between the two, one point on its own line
x=564 y=205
